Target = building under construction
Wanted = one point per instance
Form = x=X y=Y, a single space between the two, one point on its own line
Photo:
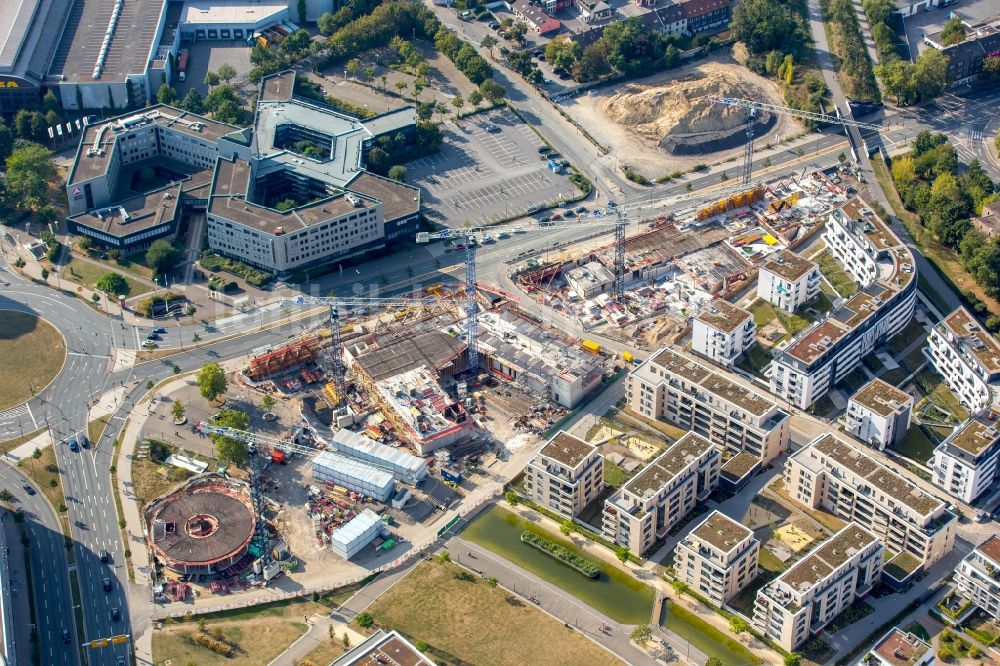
x=271 y=363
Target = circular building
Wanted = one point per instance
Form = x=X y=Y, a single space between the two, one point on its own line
x=203 y=528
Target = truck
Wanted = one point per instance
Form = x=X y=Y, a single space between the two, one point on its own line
x=182 y=63
x=450 y=473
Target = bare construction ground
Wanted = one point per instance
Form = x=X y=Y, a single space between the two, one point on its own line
x=667 y=122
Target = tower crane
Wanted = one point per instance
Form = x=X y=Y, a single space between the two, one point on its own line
x=753 y=106
x=258 y=446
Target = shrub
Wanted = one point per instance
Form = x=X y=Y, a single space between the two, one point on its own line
x=365 y=620
x=562 y=553
x=214 y=645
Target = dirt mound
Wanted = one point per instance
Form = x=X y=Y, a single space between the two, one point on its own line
x=672 y=112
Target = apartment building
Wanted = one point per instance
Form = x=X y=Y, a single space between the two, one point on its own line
x=830 y=474
x=807 y=597
x=966 y=58
x=662 y=494
x=965 y=463
x=830 y=349
x=978 y=576
x=732 y=415
x=968 y=357
x=899 y=648
x=718 y=558
x=566 y=475
x=721 y=332
x=879 y=414
x=788 y=281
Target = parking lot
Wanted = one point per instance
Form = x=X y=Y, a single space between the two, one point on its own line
x=489 y=168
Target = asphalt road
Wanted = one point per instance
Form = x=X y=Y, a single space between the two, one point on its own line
x=49 y=571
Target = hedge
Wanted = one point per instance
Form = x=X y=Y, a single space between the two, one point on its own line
x=213 y=262
x=563 y=554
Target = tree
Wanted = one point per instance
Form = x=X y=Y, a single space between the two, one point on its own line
x=930 y=74
x=6 y=142
x=897 y=78
x=365 y=620
x=738 y=625
x=6 y=495
x=211 y=381
x=378 y=161
x=458 y=102
x=398 y=173
x=566 y=527
x=762 y=25
x=488 y=42
x=227 y=448
x=211 y=79
x=953 y=32
x=563 y=53
x=226 y=72
x=401 y=86
x=177 y=410
x=492 y=581
x=113 y=284
x=45 y=274
x=512 y=498
x=85 y=243
x=492 y=90
x=713 y=661
x=641 y=634
x=193 y=102
x=680 y=587
x=166 y=94
x=267 y=402
x=162 y=255
x=150 y=384
x=518 y=31
x=19 y=263
x=793 y=659
x=353 y=67
x=475 y=98
x=29 y=169
x=622 y=553
x=443 y=557
x=347 y=640
x=593 y=63
x=991 y=67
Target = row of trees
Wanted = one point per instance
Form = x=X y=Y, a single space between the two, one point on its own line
x=464 y=55
x=857 y=77
x=776 y=35
x=929 y=182
x=906 y=82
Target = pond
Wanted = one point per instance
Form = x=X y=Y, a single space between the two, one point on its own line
x=614 y=593
x=704 y=636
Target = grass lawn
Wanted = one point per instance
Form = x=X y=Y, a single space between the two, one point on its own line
x=756 y=359
x=853 y=613
x=769 y=562
x=836 y=275
x=829 y=521
x=87 y=273
x=614 y=475
x=134 y=265
x=96 y=427
x=254 y=641
x=671 y=431
x=151 y=479
x=464 y=620
x=44 y=471
x=944 y=258
x=746 y=599
x=764 y=313
x=916 y=445
x=33 y=352
x=324 y=653
x=932 y=385
x=822 y=303
x=11 y=444
x=816 y=651
x=705 y=636
x=919 y=631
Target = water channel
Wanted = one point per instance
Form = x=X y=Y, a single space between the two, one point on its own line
x=614 y=593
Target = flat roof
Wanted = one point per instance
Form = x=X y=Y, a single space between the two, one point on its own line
x=723 y=315
x=825 y=559
x=788 y=265
x=230 y=12
x=740 y=465
x=98 y=140
x=355 y=528
x=278 y=87
x=991 y=548
x=384 y=648
x=131 y=42
x=231 y=188
x=353 y=468
x=743 y=396
x=398 y=354
x=721 y=532
x=975 y=435
x=883 y=478
x=882 y=398
x=143 y=211
x=974 y=338
x=399 y=200
x=664 y=468
x=900 y=648
x=28 y=43
x=567 y=449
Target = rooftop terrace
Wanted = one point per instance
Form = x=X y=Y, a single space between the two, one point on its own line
x=882 y=398
x=974 y=339
x=900 y=648
x=976 y=435
x=723 y=315
x=832 y=554
x=720 y=531
x=567 y=449
x=788 y=265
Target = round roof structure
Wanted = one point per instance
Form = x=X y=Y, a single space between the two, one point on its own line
x=198 y=527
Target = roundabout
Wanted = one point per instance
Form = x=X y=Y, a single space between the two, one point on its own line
x=33 y=353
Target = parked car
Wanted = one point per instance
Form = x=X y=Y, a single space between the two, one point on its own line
x=569 y=213
x=518 y=229
x=544 y=149
x=581 y=209
x=555 y=217
x=492 y=129
x=493 y=25
x=153 y=336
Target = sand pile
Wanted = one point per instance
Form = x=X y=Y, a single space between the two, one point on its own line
x=670 y=112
